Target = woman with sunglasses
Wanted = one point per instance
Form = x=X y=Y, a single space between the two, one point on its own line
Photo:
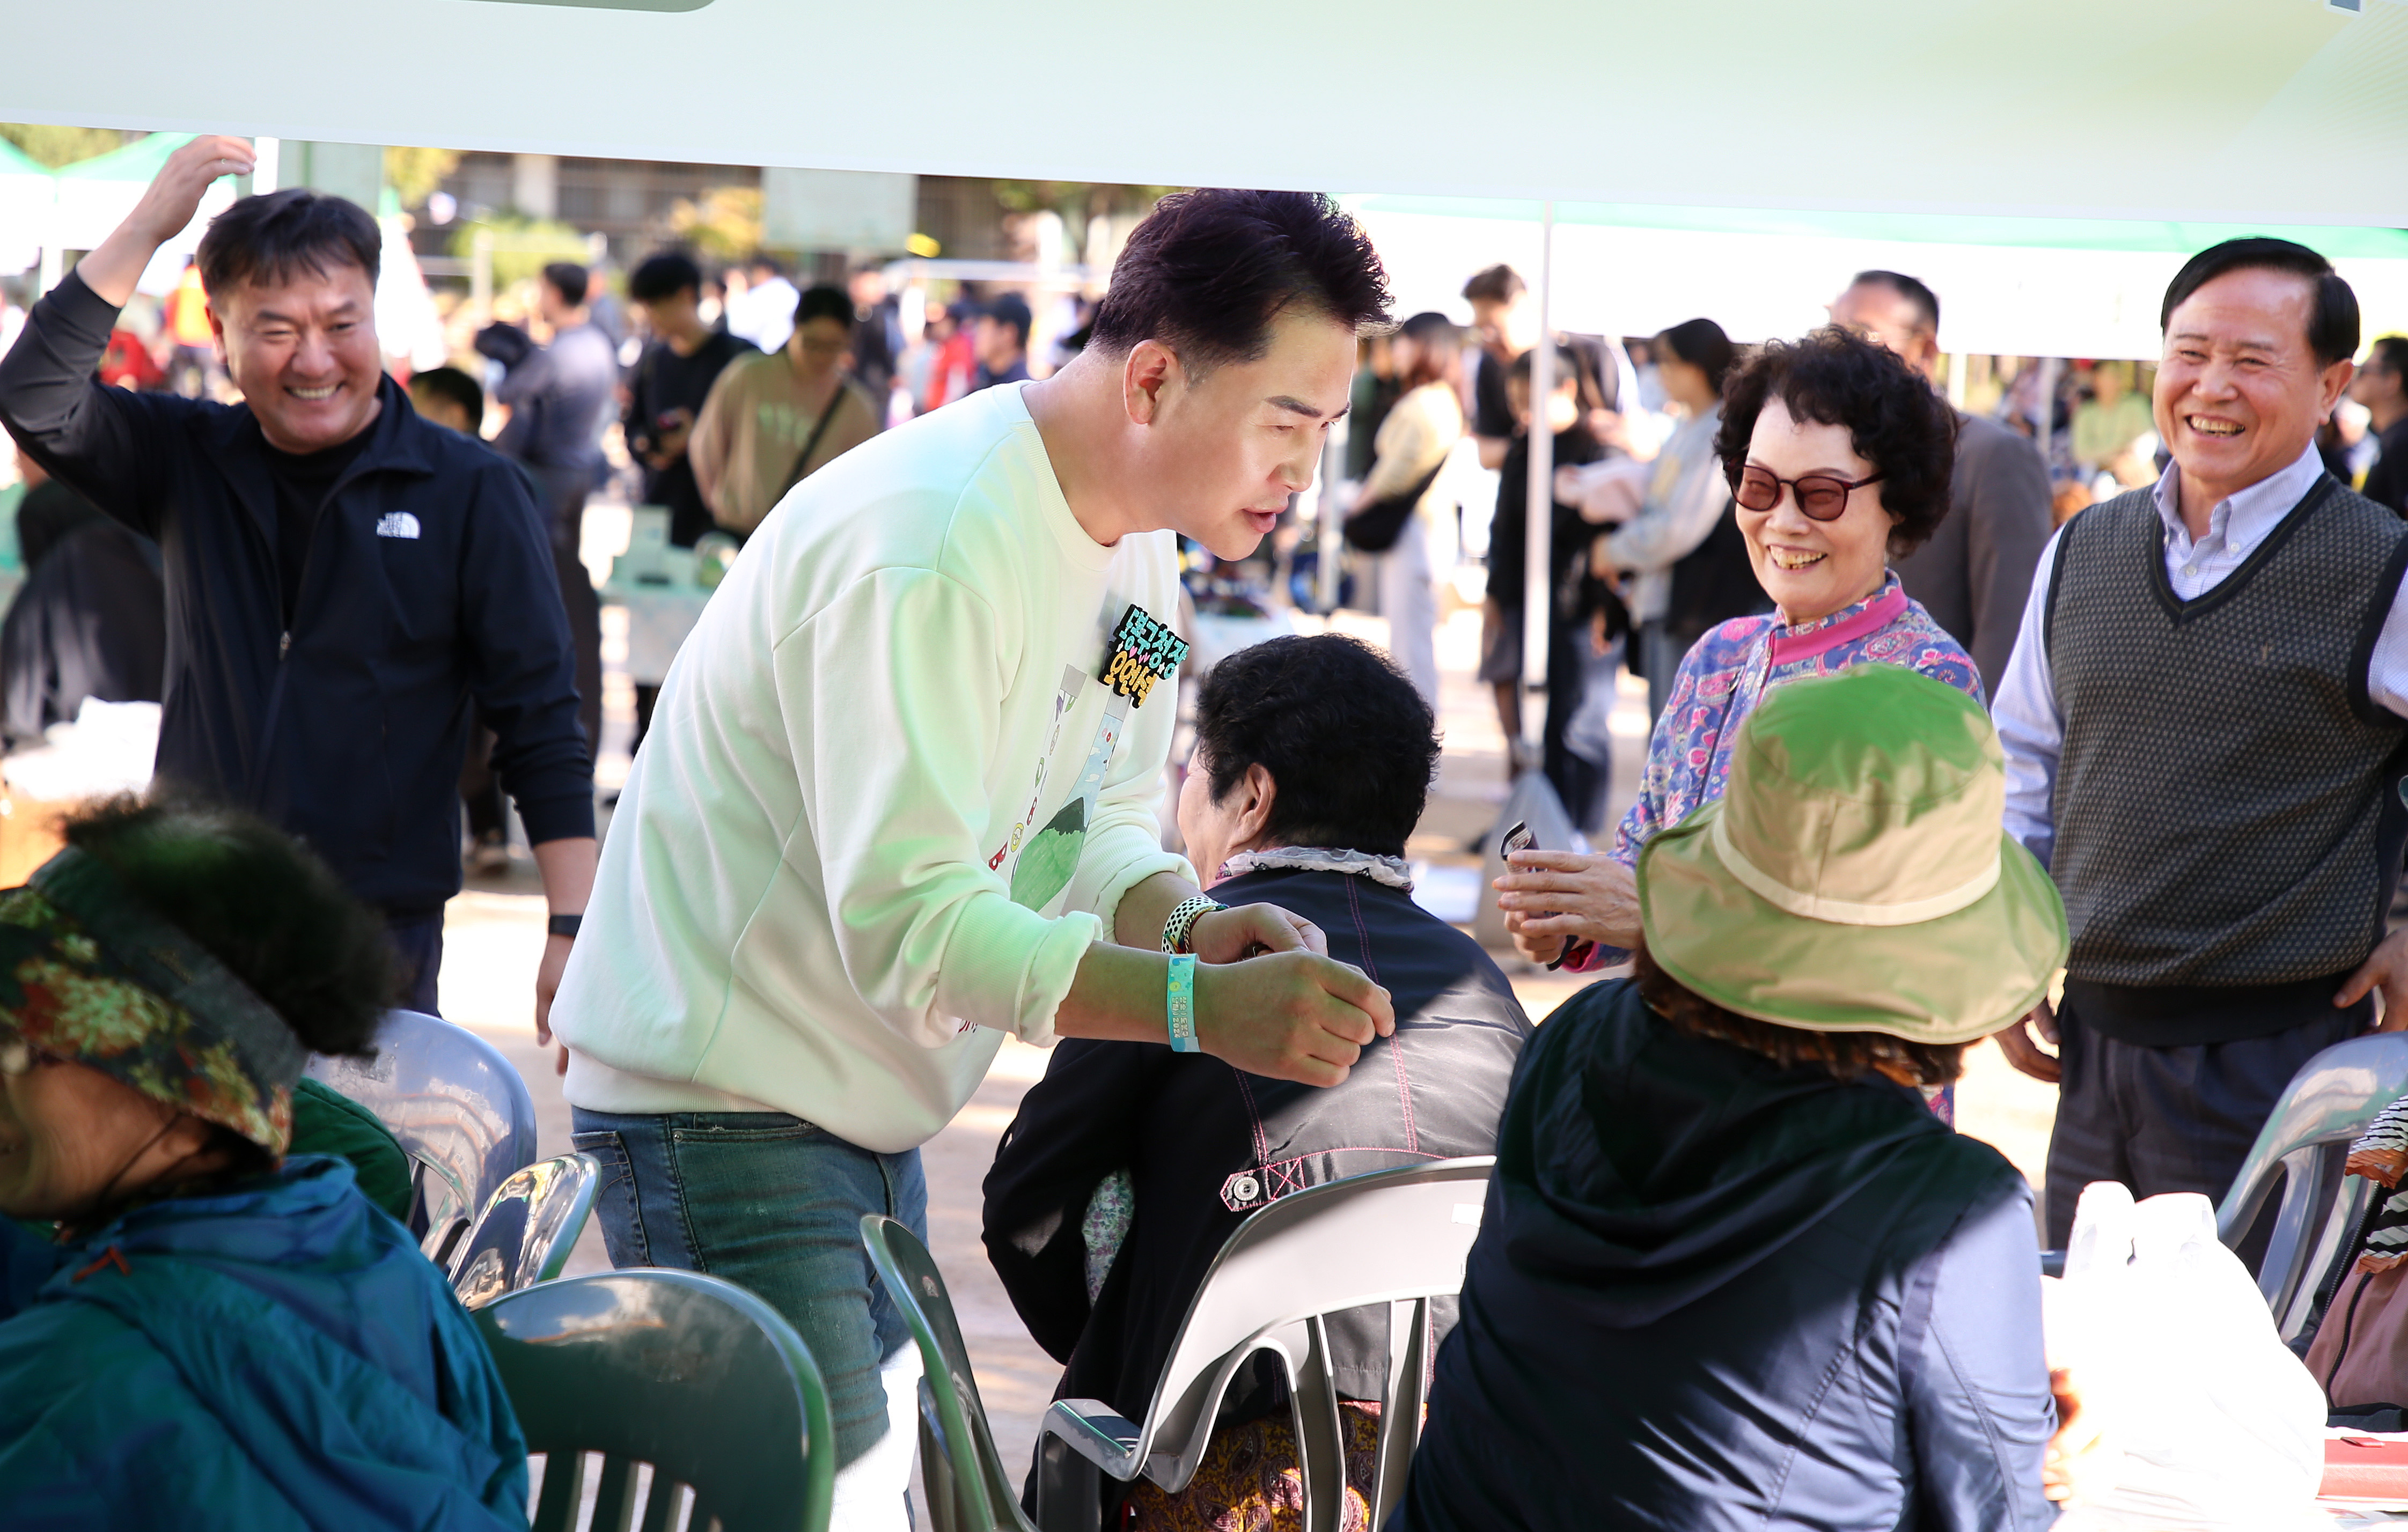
x=1838 y=455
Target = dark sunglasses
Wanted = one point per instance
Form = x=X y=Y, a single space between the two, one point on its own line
x=1820 y=497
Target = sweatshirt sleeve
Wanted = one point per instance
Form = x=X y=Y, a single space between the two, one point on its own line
x=1979 y=1408
x=889 y=695
x=102 y=441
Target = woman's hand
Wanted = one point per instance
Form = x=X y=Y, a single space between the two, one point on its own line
x=2082 y=1458
x=1550 y=895
x=1249 y=930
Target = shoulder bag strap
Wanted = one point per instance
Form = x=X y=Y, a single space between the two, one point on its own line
x=803 y=460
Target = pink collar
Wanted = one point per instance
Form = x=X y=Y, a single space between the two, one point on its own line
x=1876 y=614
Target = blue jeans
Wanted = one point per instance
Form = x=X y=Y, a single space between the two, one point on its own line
x=774 y=1205
x=417 y=944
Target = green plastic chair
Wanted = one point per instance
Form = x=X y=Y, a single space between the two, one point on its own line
x=688 y=1373
x=968 y=1488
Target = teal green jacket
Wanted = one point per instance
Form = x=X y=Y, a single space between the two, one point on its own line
x=277 y=1355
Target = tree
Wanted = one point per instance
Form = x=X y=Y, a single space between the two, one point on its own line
x=56 y=146
x=724 y=224
x=415 y=173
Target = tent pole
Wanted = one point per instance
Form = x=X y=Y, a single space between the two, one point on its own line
x=1539 y=511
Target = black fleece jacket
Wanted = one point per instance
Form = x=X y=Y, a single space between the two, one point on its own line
x=429 y=582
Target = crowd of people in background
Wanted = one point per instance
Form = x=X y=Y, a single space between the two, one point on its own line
x=889 y=808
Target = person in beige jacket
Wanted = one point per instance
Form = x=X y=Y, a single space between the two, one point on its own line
x=774 y=419
x=1422 y=428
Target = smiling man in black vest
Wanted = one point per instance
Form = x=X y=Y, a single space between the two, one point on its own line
x=2204 y=720
x=342 y=577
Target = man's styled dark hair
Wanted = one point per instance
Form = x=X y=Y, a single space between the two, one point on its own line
x=2391 y=355
x=1910 y=288
x=569 y=280
x=2332 y=322
x=454 y=385
x=1700 y=343
x=268 y=239
x=1896 y=420
x=1500 y=283
x=1347 y=741
x=822 y=301
x=1847 y=1055
x=1209 y=271
x=260 y=902
x=664 y=275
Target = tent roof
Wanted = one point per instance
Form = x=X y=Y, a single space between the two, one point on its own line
x=138 y=161
x=2335 y=241
x=16 y=162
x=2282 y=112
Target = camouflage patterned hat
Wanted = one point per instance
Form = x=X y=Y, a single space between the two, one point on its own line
x=89 y=974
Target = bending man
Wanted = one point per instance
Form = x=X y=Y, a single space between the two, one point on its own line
x=899 y=795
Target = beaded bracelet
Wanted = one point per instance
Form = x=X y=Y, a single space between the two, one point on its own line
x=1181 y=927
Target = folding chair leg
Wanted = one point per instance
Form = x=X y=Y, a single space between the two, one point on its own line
x=1069 y=1489
x=937 y=1470
x=1320 y=1437
x=1400 y=1407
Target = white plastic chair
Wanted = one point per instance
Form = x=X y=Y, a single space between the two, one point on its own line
x=526 y=1230
x=1394 y=1237
x=460 y=1109
x=2305 y=1140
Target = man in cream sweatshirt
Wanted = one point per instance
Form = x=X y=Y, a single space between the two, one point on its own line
x=898 y=797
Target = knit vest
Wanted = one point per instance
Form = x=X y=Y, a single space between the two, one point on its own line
x=2228 y=824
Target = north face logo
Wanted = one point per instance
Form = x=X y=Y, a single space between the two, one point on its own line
x=397 y=523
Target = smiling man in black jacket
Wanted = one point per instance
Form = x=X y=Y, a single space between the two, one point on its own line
x=342 y=577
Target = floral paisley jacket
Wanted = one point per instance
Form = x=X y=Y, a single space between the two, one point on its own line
x=1727 y=673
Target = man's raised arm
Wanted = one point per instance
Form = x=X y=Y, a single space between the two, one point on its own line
x=80 y=430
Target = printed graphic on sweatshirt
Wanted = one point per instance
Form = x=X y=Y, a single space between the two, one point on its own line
x=1142 y=652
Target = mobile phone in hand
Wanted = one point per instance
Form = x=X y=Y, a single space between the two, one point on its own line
x=1519 y=839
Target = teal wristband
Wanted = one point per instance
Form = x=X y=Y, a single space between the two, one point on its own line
x=1182 y=1005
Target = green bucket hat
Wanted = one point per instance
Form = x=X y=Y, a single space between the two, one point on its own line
x=1853 y=876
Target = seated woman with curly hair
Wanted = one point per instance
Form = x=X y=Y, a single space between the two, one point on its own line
x=1838 y=456
x=196 y=1328
x=1731 y=1273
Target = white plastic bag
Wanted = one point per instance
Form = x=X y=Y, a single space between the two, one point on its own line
x=2220 y=1426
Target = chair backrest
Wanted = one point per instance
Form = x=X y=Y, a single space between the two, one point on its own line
x=983 y=1497
x=1394 y=1237
x=528 y=1225
x=688 y=1373
x=2306 y=1140
x=459 y=1108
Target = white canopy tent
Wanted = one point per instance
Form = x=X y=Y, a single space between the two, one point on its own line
x=2008 y=286
x=2223 y=111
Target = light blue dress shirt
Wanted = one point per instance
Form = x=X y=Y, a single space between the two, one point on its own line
x=2029 y=725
